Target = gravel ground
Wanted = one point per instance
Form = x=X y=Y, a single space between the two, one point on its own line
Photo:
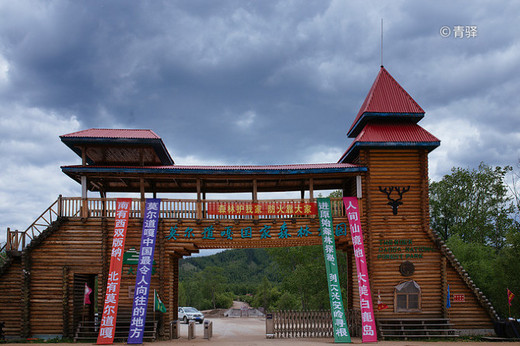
x=251 y=332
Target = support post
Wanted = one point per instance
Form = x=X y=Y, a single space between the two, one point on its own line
x=359 y=187
x=141 y=189
x=199 y=201
x=84 y=189
x=255 y=195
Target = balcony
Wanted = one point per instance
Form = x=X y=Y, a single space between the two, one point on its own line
x=76 y=207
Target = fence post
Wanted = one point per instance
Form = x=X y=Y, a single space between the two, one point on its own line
x=8 y=240
x=191 y=330
x=208 y=329
x=269 y=326
x=174 y=329
x=60 y=206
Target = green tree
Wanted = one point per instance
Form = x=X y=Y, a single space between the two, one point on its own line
x=473 y=204
x=302 y=272
x=212 y=283
x=473 y=210
x=266 y=295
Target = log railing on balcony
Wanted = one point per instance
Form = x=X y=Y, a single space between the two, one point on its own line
x=170 y=209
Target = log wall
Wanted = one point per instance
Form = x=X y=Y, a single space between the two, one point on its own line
x=467 y=314
x=11 y=292
x=393 y=239
x=75 y=248
x=45 y=301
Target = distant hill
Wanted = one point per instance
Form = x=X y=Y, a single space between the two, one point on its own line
x=275 y=278
x=242 y=269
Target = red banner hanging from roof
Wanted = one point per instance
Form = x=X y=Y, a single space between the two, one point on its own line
x=108 y=319
x=368 y=324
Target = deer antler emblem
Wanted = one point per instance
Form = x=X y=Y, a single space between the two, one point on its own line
x=394 y=203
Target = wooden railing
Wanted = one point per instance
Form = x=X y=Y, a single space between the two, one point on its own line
x=17 y=240
x=176 y=208
x=170 y=209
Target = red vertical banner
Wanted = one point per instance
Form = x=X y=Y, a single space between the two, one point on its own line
x=108 y=319
x=368 y=323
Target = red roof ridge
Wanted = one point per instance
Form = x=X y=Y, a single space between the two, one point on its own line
x=114 y=133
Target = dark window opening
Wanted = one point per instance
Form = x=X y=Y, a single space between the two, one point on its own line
x=407 y=297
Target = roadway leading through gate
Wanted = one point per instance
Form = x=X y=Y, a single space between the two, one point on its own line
x=239 y=331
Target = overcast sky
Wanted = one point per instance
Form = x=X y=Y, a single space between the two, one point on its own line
x=245 y=82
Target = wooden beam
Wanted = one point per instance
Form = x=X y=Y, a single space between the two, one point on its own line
x=199 y=202
x=311 y=188
x=141 y=157
x=83 y=156
x=84 y=187
x=359 y=187
x=255 y=191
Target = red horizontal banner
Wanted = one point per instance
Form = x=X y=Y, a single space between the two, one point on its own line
x=262 y=208
x=459 y=298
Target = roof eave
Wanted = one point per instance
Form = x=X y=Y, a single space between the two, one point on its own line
x=366 y=116
x=156 y=143
x=208 y=171
x=353 y=150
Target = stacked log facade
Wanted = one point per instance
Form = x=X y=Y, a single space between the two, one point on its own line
x=41 y=287
x=51 y=305
x=11 y=288
x=394 y=239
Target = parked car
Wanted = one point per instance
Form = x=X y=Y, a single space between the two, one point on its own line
x=187 y=313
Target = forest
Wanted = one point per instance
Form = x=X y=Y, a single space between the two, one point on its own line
x=476 y=212
x=277 y=278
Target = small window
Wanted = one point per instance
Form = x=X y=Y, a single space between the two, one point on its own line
x=407 y=297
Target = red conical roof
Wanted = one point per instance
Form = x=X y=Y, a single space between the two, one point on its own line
x=386 y=100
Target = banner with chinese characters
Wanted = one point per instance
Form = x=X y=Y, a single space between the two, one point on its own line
x=339 y=320
x=108 y=319
x=144 y=271
x=368 y=324
x=262 y=208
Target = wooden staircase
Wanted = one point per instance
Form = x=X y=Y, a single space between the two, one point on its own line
x=88 y=331
x=416 y=328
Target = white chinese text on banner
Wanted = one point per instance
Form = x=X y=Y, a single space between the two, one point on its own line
x=339 y=320
x=368 y=324
x=109 y=316
x=144 y=271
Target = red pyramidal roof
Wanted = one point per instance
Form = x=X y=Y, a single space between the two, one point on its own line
x=386 y=100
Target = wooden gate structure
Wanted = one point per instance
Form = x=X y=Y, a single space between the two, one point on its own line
x=385 y=167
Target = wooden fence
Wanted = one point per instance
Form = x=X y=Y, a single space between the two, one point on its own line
x=308 y=324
